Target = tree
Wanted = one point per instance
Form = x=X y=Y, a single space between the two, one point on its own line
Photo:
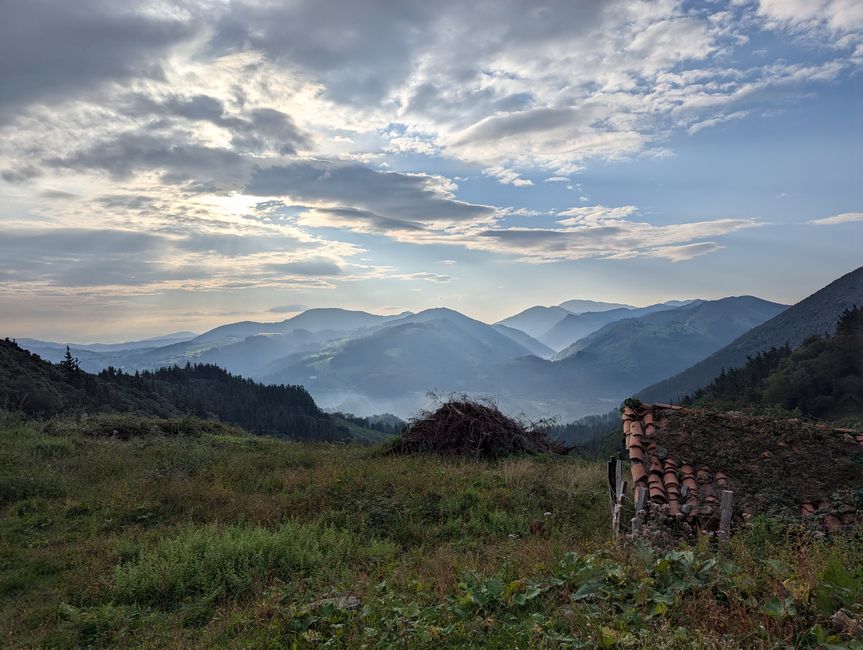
x=71 y=367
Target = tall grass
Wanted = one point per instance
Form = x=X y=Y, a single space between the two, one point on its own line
x=230 y=562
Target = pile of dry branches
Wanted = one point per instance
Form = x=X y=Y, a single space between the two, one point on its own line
x=470 y=428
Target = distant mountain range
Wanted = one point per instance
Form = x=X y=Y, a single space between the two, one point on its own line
x=815 y=315
x=560 y=326
x=545 y=361
x=536 y=321
x=442 y=350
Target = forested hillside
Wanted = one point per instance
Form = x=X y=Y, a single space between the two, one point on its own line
x=815 y=315
x=822 y=378
x=37 y=387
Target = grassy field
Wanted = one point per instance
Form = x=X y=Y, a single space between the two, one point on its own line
x=190 y=534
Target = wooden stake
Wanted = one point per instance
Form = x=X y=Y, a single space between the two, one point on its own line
x=618 y=497
x=640 y=500
x=725 y=515
x=613 y=472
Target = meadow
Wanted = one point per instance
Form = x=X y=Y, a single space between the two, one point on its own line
x=118 y=531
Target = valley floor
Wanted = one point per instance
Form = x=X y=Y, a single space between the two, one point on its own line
x=184 y=537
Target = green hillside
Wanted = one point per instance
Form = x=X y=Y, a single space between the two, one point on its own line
x=822 y=378
x=37 y=387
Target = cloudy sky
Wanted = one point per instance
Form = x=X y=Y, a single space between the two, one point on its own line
x=177 y=165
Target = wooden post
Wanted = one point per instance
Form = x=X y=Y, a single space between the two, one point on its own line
x=640 y=500
x=725 y=515
x=613 y=471
x=616 y=489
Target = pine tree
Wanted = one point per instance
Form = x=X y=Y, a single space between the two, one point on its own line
x=71 y=367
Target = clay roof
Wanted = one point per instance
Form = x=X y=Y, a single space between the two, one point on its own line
x=693 y=491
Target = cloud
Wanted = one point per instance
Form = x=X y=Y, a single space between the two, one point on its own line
x=178 y=161
x=845 y=217
x=312 y=266
x=357 y=220
x=360 y=51
x=836 y=16
x=44 y=259
x=373 y=195
x=607 y=233
x=438 y=278
x=685 y=251
x=50 y=51
x=507 y=176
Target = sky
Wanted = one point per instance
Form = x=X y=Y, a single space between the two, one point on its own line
x=178 y=165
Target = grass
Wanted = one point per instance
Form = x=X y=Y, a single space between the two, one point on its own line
x=187 y=534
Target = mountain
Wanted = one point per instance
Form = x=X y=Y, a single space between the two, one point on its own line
x=822 y=378
x=815 y=315
x=97 y=356
x=243 y=347
x=625 y=353
x=38 y=387
x=573 y=327
x=395 y=366
x=60 y=348
x=314 y=320
x=535 y=321
x=528 y=342
x=249 y=356
x=581 y=306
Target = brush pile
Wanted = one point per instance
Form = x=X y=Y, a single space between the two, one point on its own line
x=462 y=427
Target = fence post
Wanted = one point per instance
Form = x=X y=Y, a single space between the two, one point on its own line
x=725 y=515
x=640 y=500
x=616 y=489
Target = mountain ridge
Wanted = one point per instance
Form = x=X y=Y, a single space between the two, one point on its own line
x=814 y=315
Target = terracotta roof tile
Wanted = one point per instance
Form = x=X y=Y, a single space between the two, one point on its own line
x=656 y=492
x=710 y=495
x=693 y=491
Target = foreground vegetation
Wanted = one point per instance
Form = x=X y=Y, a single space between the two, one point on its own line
x=118 y=531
